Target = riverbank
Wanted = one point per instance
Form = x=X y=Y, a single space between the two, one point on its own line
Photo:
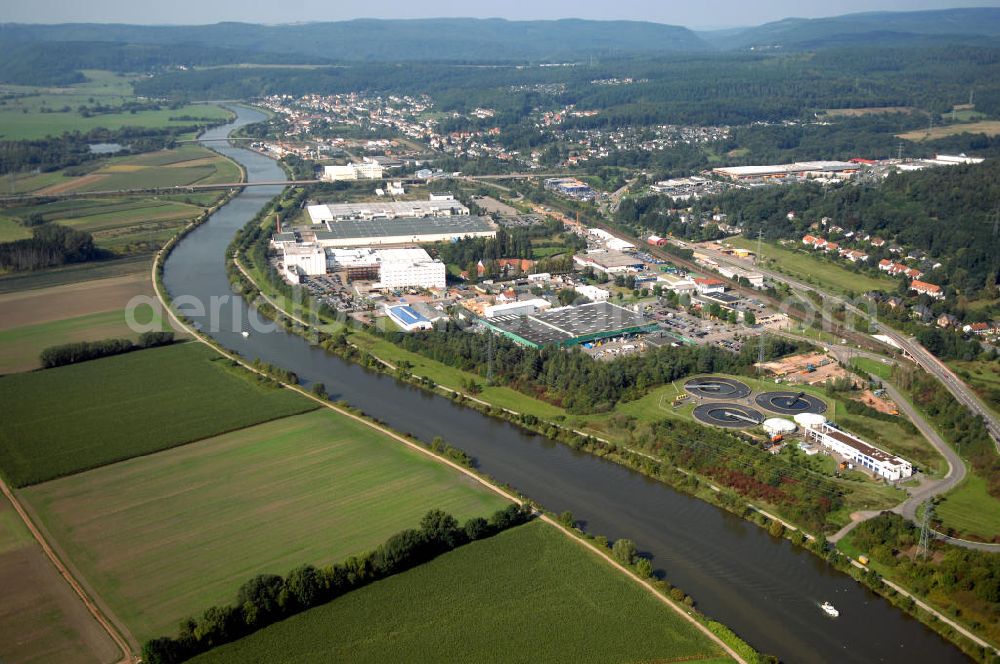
x=728 y=565
x=730 y=647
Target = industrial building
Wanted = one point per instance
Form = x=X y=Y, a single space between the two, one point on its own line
x=799 y=169
x=755 y=279
x=404 y=230
x=364 y=171
x=608 y=262
x=569 y=326
x=407 y=319
x=593 y=293
x=320 y=214
x=849 y=446
x=571 y=188
x=390 y=269
x=520 y=308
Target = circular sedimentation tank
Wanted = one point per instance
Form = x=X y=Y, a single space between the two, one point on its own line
x=729 y=415
x=717 y=387
x=790 y=403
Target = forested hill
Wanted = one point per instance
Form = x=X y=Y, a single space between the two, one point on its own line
x=974 y=25
x=471 y=40
x=948 y=213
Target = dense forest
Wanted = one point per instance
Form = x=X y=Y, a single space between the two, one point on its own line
x=50 y=245
x=947 y=213
x=682 y=89
x=572 y=379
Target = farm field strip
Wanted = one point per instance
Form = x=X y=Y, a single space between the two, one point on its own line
x=41 y=618
x=508 y=597
x=164 y=536
x=70 y=300
x=58 y=424
x=988 y=127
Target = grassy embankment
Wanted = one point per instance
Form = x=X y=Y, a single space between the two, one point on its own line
x=164 y=536
x=983 y=377
x=58 y=422
x=832 y=274
x=41 y=618
x=968 y=509
x=487 y=602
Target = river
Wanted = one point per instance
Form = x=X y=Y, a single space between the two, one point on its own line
x=765 y=589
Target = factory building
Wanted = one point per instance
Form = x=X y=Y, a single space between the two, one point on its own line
x=401 y=231
x=520 y=308
x=608 y=262
x=407 y=319
x=390 y=269
x=320 y=214
x=852 y=448
x=799 y=169
x=363 y=171
x=755 y=279
x=569 y=326
x=593 y=293
x=571 y=188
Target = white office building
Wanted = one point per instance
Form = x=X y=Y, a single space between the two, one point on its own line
x=593 y=293
x=411 y=273
x=857 y=451
x=303 y=259
x=363 y=171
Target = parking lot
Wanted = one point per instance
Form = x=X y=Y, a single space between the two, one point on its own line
x=699 y=331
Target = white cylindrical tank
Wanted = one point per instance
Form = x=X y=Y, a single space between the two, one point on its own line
x=778 y=426
x=809 y=420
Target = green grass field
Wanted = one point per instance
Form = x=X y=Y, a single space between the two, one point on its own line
x=64 y=420
x=812 y=269
x=165 y=536
x=74 y=273
x=129 y=224
x=868 y=365
x=21 y=118
x=21 y=346
x=41 y=619
x=526 y=595
x=970 y=509
x=10 y=230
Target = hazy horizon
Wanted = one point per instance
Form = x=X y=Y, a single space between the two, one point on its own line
x=708 y=15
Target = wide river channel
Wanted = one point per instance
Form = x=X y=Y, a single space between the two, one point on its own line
x=765 y=589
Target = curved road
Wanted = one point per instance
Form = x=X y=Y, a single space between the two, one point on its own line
x=924 y=358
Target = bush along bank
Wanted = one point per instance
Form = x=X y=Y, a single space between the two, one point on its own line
x=269 y=598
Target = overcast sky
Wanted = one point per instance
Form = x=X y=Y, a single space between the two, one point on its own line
x=691 y=13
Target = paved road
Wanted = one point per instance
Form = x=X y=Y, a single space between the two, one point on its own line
x=924 y=358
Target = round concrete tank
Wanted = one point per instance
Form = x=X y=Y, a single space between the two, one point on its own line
x=778 y=426
x=809 y=420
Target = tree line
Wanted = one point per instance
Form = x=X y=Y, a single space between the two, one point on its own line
x=268 y=598
x=82 y=351
x=568 y=377
x=50 y=245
